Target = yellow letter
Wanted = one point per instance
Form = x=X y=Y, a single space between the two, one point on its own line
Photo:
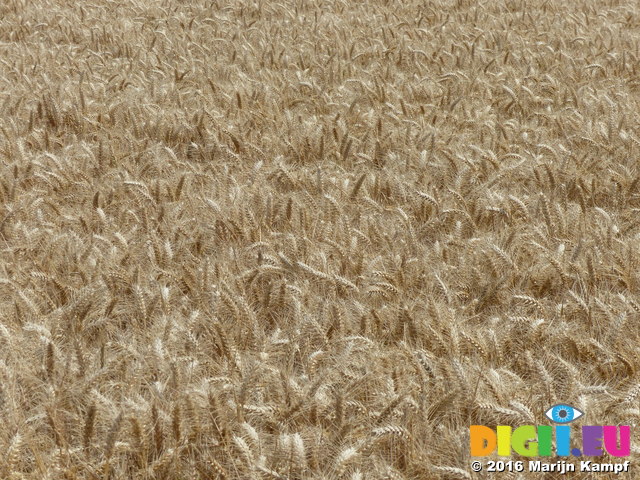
x=504 y=440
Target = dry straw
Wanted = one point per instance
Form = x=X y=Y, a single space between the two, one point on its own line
x=311 y=239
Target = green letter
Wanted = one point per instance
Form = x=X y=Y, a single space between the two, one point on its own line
x=544 y=440
x=523 y=435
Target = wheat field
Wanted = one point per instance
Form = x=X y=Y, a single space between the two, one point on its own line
x=312 y=239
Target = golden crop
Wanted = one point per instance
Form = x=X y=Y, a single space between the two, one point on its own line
x=312 y=239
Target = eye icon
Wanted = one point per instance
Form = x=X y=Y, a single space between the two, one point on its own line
x=563 y=413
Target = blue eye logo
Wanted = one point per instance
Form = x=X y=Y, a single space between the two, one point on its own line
x=563 y=413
